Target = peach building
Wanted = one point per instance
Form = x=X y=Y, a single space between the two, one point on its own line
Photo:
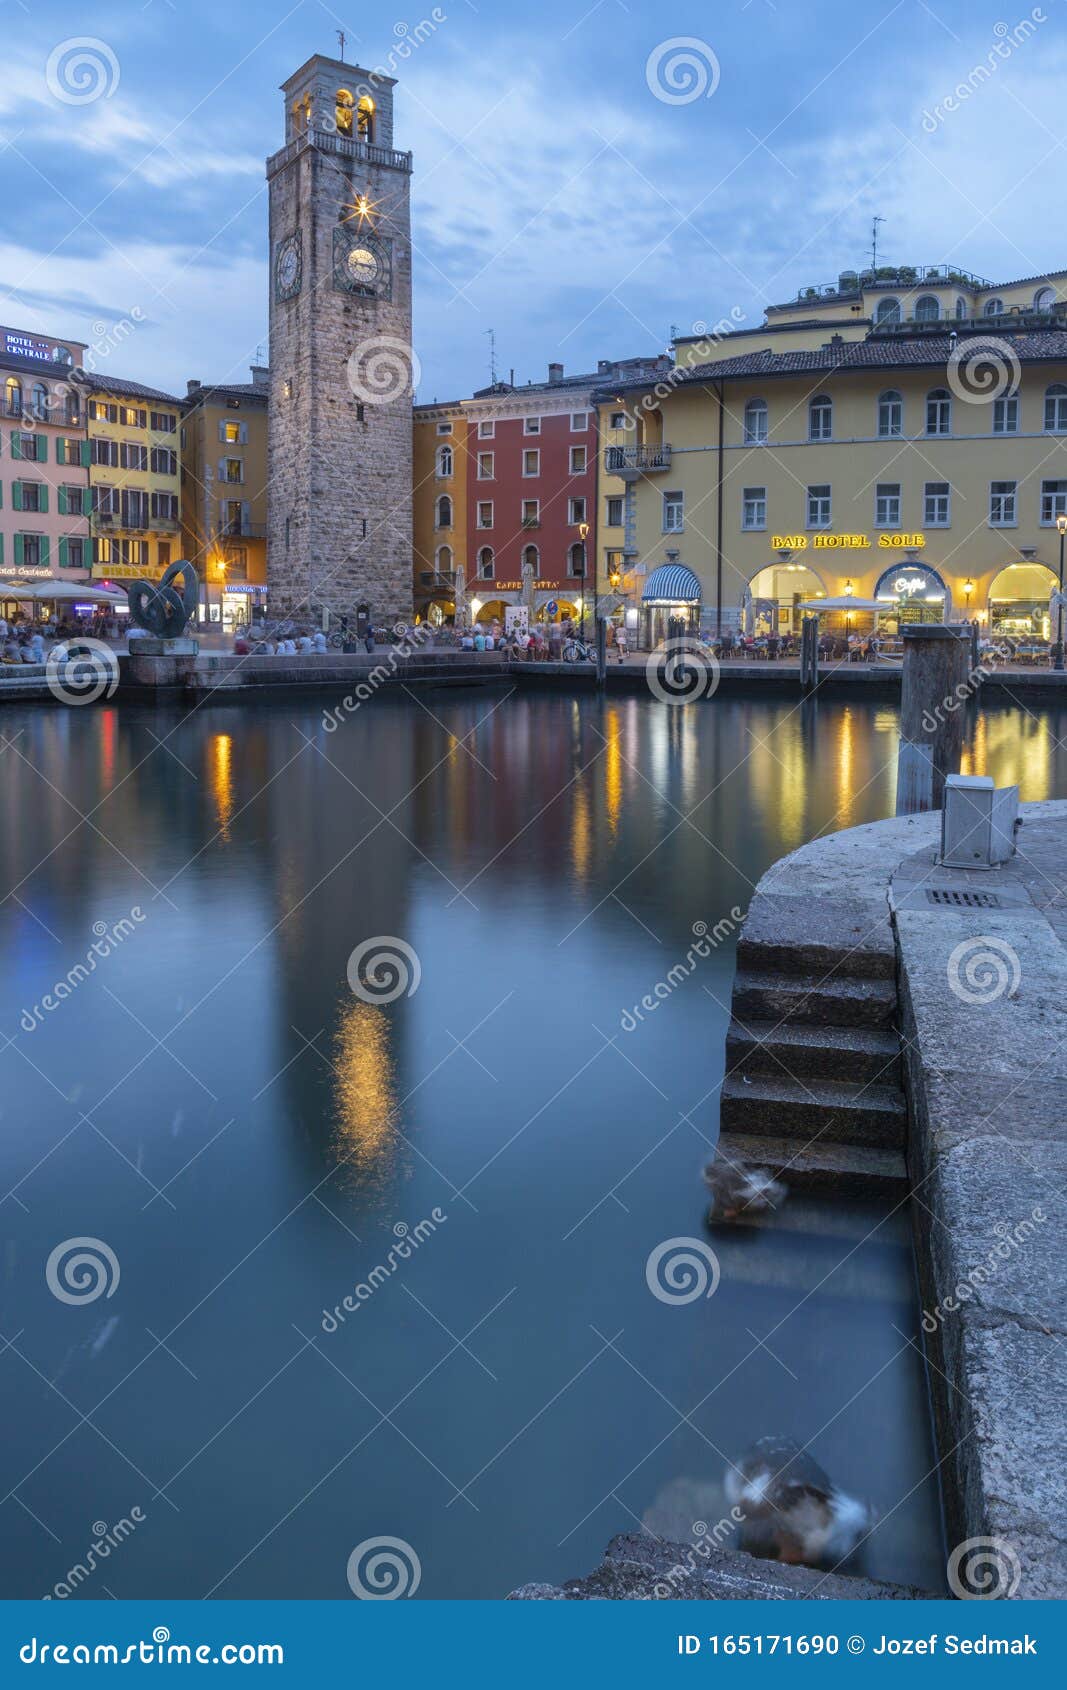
x=44 y=463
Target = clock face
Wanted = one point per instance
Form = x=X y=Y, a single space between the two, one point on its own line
x=362 y=262
x=288 y=268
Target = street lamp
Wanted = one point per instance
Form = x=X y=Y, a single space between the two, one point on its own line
x=1061 y=524
x=583 y=535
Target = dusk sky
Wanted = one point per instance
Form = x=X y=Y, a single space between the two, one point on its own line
x=559 y=200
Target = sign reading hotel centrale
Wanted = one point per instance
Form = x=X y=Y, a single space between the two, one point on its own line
x=846 y=542
x=29 y=346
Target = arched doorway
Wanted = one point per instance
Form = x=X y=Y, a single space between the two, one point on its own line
x=773 y=596
x=912 y=592
x=491 y=610
x=1018 y=600
x=440 y=611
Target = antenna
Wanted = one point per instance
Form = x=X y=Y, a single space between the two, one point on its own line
x=341 y=38
x=874 y=241
x=492 y=355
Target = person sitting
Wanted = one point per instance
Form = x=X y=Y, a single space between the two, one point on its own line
x=479 y=640
x=318 y=640
x=304 y=644
x=240 y=642
x=12 y=650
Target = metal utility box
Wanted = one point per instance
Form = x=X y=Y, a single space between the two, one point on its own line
x=978 y=822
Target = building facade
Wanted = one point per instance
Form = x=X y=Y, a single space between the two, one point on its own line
x=439 y=509
x=224 y=496
x=44 y=460
x=901 y=437
x=340 y=536
x=134 y=476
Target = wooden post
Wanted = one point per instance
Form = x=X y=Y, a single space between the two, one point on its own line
x=932 y=695
x=809 y=654
x=601 y=652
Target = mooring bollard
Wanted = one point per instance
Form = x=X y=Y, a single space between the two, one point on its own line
x=932 y=693
x=601 y=652
x=809 y=654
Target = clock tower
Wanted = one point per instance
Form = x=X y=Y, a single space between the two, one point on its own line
x=342 y=369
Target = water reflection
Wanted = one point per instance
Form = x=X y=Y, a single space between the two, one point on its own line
x=222 y=782
x=365 y=1095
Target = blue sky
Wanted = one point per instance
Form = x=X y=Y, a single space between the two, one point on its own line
x=558 y=198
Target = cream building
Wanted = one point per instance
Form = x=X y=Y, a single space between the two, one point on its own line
x=900 y=435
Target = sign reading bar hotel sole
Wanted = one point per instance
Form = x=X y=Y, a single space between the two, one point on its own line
x=846 y=542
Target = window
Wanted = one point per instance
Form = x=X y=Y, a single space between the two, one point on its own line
x=486 y=430
x=105 y=452
x=485 y=564
x=578 y=460
x=1002 y=504
x=1006 y=414
x=31 y=496
x=938 y=412
x=163 y=422
x=165 y=506
x=30 y=448
x=575 y=510
x=936 y=509
x=485 y=466
x=576 y=559
x=531 y=425
x=673 y=513
x=887 y=504
x=100 y=411
x=961 y=308
x=618 y=419
x=888 y=311
x=1056 y=408
x=614 y=517
x=1053 y=501
x=133 y=456
x=34 y=549
x=579 y=422
x=13 y=397
x=444 y=512
x=993 y=308
x=754 y=507
x=444 y=428
x=131 y=416
x=927 y=308
x=444 y=461
x=230 y=433
x=75 y=550
x=819 y=506
x=134 y=508
x=103 y=499
x=531 y=462
x=39 y=400
x=74 y=501
x=820 y=418
x=890 y=414
x=1044 y=299
x=70 y=451
x=485 y=513
x=444 y=560
x=164 y=461
x=755 y=422
x=163 y=553
x=233 y=470
x=531 y=513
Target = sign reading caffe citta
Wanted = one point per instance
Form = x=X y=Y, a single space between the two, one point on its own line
x=18 y=345
x=846 y=542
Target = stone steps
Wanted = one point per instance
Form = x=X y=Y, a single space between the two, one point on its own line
x=858 y=1054
x=816 y=936
x=813 y=999
x=822 y=1169
x=835 y=1110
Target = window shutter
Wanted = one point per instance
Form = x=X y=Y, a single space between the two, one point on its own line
x=16 y=444
x=63 y=504
x=61 y=456
x=42 y=498
x=85 y=456
x=222 y=430
x=244 y=434
x=245 y=507
x=222 y=469
x=16 y=495
x=18 y=551
x=45 y=544
x=42 y=448
x=64 y=554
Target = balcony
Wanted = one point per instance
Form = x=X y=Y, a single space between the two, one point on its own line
x=632 y=461
x=341 y=146
x=11 y=408
x=237 y=529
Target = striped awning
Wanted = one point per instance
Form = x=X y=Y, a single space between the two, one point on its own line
x=672 y=583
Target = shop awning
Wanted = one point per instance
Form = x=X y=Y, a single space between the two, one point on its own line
x=671 y=583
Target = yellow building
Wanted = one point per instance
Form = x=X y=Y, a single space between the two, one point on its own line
x=224 y=496
x=440 y=508
x=900 y=436
x=134 y=477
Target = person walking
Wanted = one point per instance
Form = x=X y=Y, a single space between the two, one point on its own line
x=620 y=642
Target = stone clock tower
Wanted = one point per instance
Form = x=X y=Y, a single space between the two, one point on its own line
x=342 y=370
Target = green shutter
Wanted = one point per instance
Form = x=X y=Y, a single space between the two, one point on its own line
x=16 y=495
x=45 y=543
x=42 y=498
x=41 y=443
x=86 y=454
x=62 y=502
x=60 y=455
x=64 y=552
x=18 y=551
x=1 y=550
x=16 y=443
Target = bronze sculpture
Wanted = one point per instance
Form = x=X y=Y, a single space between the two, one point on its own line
x=162 y=609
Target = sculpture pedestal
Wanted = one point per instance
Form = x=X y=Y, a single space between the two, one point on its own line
x=149 y=646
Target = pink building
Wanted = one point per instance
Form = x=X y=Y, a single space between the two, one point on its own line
x=44 y=463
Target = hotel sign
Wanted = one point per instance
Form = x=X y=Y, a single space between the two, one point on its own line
x=846 y=542
x=29 y=346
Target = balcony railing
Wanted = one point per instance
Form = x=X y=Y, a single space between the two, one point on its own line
x=238 y=529
x=10 y=407
x=636 y=460
x=531 y=522
x=364 y=152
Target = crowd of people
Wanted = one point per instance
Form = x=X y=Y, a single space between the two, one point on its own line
x=266 y=642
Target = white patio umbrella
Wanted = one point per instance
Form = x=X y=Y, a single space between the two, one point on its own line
x=60 y=592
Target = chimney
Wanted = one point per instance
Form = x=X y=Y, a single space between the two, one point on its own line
x=604 y=366
x=192 y=387
x=260 y=376
x=555 y=372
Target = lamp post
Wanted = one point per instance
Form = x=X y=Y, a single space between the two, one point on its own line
x=1061 y=524
x=583 y=535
